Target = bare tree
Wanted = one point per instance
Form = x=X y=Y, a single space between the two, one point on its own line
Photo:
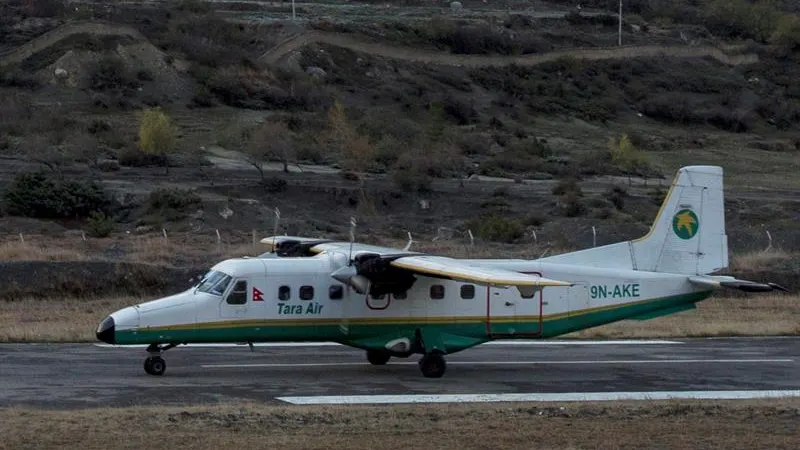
x=269 y=142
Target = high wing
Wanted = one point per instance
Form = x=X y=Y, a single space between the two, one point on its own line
x=720 y=282
x=382 y=270
x=291 y=245
x=359 y=249
x=440 y=266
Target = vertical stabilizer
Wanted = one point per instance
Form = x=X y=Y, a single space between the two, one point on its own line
x=687 y=237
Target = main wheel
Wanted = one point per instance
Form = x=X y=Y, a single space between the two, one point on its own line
x=432 y=365
x=155 y=365
x=377 y=357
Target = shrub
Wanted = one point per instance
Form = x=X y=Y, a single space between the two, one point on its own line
x=616 y=195
x=40 y=195
x=495 y=227
x=109 y=73
x=567 y=186
x=534 y=220
x=171 y=204
x=157 y=135
x=99 y=224
x=44 y=8
x=133 y=157
x=739 y=18
x=787 y=32
x=573 y=205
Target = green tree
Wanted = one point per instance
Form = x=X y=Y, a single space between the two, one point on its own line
x=627 y=157
x=157 y=135
x=787 y=32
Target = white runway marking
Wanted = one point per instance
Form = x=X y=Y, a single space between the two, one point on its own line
x=328 y=344
x=511 y=363
x=551 y=397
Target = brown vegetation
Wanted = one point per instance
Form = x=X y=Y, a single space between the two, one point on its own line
x=663 y=424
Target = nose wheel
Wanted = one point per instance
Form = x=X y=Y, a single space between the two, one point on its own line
x=155 y=365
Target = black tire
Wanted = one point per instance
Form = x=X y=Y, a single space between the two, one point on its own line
x=377 y=357
x=155 y=365
x=433 y=365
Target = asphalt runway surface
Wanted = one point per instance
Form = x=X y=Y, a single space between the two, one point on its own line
x=89 y=375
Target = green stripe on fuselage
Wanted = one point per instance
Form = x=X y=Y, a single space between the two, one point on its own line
x=460 y=332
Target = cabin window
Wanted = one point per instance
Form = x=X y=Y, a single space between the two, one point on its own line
x=335 y=292
x=284 y=293
x=306 y=292
x=400 y=295
x=467 y=291
x=437 y=292
x=238 y=295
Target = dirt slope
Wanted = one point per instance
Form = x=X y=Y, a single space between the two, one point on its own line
x=277 y=53
x=53 y=37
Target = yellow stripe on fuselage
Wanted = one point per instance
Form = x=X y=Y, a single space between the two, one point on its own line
x=436 y=320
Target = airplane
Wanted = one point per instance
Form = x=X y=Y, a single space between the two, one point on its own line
x=398 y=303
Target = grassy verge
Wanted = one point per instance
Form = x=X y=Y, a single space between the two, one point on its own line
x=665 y=424
x=74 y=320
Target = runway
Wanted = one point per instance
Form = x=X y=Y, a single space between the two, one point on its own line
x=87 y=375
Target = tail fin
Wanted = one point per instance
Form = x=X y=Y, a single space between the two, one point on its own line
x=687 y=237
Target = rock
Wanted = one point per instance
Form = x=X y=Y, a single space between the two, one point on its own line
x=142 y=229
x=60 y=73
x=108 y=165
x=316 y=72
x=226 y=212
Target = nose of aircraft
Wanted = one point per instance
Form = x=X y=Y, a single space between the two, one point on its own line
x=105 y=331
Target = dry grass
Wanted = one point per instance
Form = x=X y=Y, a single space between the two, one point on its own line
x=664 y=424
x=39 y=251
x=757 y=315
x=74 y=320
x=152 y=249
x=56 y=320
x=759 y=260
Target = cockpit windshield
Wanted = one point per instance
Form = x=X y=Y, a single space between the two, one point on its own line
x=214 y=283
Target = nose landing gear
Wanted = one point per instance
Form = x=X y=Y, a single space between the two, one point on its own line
x=155 y=364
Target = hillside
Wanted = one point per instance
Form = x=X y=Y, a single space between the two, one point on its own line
x=493 y=119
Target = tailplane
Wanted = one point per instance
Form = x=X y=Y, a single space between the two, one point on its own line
x=687 y=237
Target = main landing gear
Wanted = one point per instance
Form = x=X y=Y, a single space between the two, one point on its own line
x=377 y=357
x=155 y=364
x=432 y=365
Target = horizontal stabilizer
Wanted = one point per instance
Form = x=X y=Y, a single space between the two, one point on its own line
x=439 y=266
x=720 y=282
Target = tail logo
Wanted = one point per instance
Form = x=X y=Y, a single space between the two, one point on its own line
x=685 y=224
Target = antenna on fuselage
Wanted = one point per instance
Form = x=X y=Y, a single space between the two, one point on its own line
x=277 y=219
x=352 y=239
x=410 y=241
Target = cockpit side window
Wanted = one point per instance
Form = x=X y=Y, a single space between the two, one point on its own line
x=238 y=295
x=214 y=283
